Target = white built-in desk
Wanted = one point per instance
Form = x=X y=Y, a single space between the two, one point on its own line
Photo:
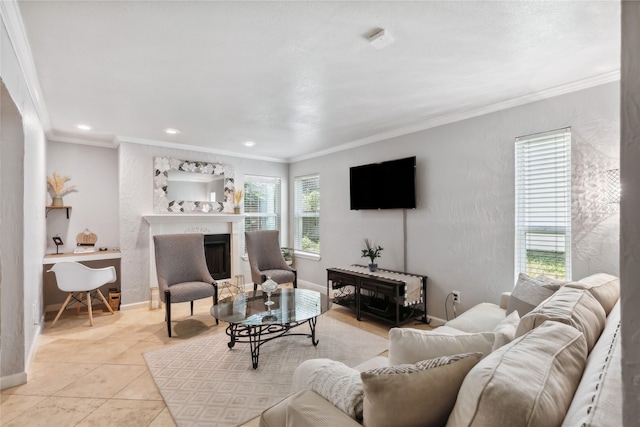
x=54 y=297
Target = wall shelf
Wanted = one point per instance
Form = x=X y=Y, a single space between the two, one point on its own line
x=50 y=208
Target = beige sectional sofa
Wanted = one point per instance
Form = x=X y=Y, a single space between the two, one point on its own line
x=548 y=355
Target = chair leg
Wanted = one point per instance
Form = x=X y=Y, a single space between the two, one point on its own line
x=295 y=279
x=78 y=306
x=89 y=308
x=192 y=308
x=62 y=309
x=167 y=301
x=104 y=300
x=215 y=297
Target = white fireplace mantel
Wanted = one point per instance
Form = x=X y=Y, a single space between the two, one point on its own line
x=178 y=223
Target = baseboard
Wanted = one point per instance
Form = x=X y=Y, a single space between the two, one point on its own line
x=13 y=380
x=134 y=305
x=34 y=347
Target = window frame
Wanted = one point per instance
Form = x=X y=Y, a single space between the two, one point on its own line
x=299 y=215
x=543 y=208
x=276 y=203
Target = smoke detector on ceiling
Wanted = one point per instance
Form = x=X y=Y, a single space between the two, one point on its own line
x=380 y=39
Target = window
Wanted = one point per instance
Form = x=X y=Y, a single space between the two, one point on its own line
x=306 y=226
x=543 y=204
x=262 y=205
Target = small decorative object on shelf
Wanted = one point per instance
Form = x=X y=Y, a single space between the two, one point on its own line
x=56 y=183
x=237 y=198
x=371 y=251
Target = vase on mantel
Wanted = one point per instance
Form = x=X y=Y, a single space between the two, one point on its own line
x=236 y=209
x=373 y=267
x=57 y=201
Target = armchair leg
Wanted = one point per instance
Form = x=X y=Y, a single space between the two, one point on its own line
x=167 y=300
x=295 y=278
x=192 y=308
x=215 y=297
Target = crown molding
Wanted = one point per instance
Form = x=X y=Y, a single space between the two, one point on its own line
x=15 y=28
x=112 y=143
x=200 y=149
x=456 y=117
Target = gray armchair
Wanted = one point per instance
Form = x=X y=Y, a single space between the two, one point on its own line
x=182 y=271
x=265 y=258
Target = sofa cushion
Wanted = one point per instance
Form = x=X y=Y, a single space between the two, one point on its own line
x=505 y=331
x=598 y=399
x=414 y=394
x=604 y=287
x=482 y=317
x=333 y=380
x=527 y=294
x=528 y=382
x=408 y=345
x=574 y=307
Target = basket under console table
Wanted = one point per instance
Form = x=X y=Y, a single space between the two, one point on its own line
x=383 y=294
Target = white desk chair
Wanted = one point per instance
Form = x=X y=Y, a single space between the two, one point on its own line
x=77 y=278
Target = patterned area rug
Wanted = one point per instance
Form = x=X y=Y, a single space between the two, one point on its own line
x=204 y=383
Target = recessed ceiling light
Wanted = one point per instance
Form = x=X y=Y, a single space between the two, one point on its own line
x=249 y=144
x=83 y=127
x=172 y=131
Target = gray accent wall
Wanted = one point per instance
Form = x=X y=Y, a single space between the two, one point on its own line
x=462 y=233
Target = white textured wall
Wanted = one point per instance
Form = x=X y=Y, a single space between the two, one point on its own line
x=11 y=230
x=94 y=172
x=136 y=200
x=22 y=297
x=630 y=207
x=462 y=233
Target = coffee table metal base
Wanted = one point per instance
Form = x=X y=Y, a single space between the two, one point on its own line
x=257 y=335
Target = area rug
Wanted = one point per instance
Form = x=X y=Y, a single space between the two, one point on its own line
x=204 y=383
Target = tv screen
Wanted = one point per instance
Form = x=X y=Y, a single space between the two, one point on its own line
x=386 y=185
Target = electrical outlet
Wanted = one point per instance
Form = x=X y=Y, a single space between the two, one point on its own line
x=456 y=297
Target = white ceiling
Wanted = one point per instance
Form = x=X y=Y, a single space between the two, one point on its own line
x=300 y=78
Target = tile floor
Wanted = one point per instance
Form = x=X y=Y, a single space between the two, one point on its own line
x=96 y=376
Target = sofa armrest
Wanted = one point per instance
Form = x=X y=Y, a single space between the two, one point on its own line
x=504 y=300
x=305 y=409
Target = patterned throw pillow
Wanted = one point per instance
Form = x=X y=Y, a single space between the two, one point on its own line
x=422 y=394
x=339 y=384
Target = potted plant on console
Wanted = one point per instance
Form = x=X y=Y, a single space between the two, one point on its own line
x=371 y=251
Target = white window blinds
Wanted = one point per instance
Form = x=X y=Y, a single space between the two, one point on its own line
x=306 y=227
x=262 y=203
x=543 y=204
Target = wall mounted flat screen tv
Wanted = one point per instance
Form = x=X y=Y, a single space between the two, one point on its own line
x=385 y=185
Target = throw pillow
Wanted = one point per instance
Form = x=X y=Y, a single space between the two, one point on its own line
x=336 y=382
x=410 y=395
x=505 y=331
x=529 y=382
x=604 y=287
x=574 y=307
x=527 y=294
x=408 y=345
x=553 y=284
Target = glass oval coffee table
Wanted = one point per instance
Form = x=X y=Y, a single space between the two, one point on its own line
x=251 y=321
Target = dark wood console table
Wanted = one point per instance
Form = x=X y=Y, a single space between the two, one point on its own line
x=377 y=296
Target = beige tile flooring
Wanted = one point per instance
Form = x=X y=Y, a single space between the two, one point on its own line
x=96 y=376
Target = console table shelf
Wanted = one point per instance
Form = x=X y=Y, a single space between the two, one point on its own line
x=376 y=296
